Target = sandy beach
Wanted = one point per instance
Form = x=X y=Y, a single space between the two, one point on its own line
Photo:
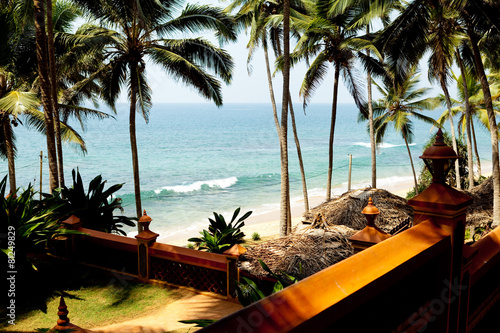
x=267 y=224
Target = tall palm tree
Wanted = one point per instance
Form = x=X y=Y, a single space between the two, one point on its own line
x=481 y=18
x=365 y=12
x=46 y=89
x=143 y=30
x=426 y=26
x=327 y=38
x=285 y=217
x=402 y=100
x=264 y=20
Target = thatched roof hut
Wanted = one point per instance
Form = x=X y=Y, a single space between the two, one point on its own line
x=480 y=212
x=323 y=241
x=300 y=254
x=346 y=210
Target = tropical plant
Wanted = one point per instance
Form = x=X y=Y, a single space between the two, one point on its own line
x=327 y=38
x=265 y=20
x=34 y=223
x=145 y=30
x=249 y=292
x=428 y=26
x=364 y=13
x=255 y=236
x=220 y=235
x=94 y=208
x=401 y=100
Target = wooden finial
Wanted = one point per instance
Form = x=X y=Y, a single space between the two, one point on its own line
x=63 y=321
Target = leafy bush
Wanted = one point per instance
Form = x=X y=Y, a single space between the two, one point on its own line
x=249 y=292
x=94 y=207
x=220 y=236
x=255 y=236
x=33 y=222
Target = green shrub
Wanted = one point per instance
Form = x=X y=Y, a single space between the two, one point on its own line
x=220 y=235
x=94 y=208
x=255 y=236
x=33 y=223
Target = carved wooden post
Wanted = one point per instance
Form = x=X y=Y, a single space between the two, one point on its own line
x=144 y=240
x=447 y=208
x=371 y=234
x=233 y=273
x=72 y=223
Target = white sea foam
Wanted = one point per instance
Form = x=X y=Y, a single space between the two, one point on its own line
x=196 y=186
x=382 y=145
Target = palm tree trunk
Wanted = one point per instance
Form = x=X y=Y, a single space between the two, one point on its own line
x=332 y=133
x=493 y=125
x=46 y=93
x=133 y=141
x=370 y=122
x=53 y=81
x=452 y=127
x=475 y=149
x=299 y=155
x=470 y=163
x=412 y=166
x=285 y=218
x=9 y=147
x=271 y=90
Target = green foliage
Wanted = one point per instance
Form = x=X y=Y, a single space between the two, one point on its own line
x=220 y=235
x=249 y=292
x=94 y=207
x=425 y=178
x=190 y=246
x=255 y=236
x=34 y=222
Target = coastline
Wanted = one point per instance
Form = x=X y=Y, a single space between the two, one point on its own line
x=267 y=224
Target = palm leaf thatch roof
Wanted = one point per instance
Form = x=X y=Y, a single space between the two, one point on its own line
x=300 y=254
x=346 y=210
x=480 y=212
x=324 y=241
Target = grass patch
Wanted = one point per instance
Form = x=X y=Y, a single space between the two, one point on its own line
x=94 y=298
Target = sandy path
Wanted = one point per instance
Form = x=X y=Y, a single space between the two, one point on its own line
x=191 y=306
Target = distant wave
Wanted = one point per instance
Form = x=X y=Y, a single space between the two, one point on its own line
x=382 y=145
x=196 y=186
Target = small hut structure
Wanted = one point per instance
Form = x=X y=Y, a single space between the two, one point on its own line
x=346 y=210
x=480 y=212
x=323 y=239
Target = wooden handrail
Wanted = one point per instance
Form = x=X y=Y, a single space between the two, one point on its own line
x=110 y=240
x=189 y=256
x=488 y=255
x=297 y=304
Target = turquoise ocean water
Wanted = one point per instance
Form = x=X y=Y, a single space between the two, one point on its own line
x=197 y=158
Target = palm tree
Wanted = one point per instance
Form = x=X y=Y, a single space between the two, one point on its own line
x=426 y=26
x=481 y=18
x=402 y=100
x=327 y=37
x=365 y=11
x=142 y=32
x=285 y=217
x=264 y=18
x=46 y=90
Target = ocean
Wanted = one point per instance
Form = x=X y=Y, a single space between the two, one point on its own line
x=196 y=159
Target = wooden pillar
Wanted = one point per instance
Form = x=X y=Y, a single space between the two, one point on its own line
x=233 y=273
x=72 y=223
x=144 y=240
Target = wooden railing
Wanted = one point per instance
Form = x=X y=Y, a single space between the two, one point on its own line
x=371 y=289
x=173 y=265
